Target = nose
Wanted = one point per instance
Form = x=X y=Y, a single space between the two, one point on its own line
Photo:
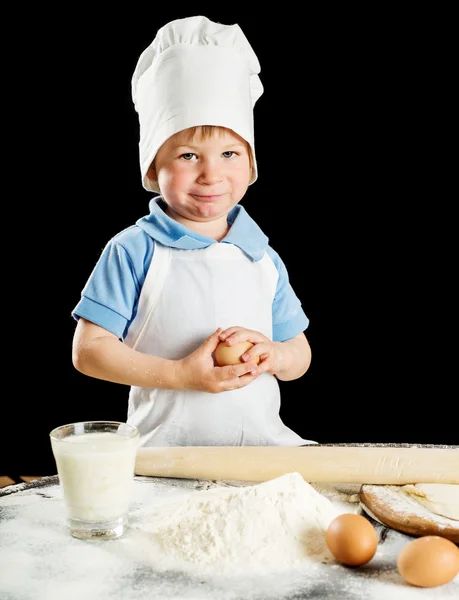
x=210 y=173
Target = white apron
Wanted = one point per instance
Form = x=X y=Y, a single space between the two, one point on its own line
x=188 y=294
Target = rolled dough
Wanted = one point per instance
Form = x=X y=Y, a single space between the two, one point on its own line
x=440 y=498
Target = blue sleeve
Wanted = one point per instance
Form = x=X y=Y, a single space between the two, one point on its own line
x=289 y=318
x=110 y=296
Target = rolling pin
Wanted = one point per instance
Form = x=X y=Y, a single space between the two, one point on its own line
x=394 y=464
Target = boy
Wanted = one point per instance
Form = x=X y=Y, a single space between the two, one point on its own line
x=197 y=270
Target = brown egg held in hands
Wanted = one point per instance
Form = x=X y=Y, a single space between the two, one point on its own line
x=429 y=561
x=231 y=355
x=352 y=539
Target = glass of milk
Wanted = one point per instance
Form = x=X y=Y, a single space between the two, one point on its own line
x=95 y=463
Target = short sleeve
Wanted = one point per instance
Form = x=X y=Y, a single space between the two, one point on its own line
x=110 y=296
x=289 y=318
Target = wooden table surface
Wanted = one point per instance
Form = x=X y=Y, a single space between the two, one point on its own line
x=39 y=560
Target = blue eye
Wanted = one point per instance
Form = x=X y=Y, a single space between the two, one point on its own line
x=228 y=154
x=187 y=155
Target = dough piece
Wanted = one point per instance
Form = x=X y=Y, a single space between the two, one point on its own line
x=440 y=498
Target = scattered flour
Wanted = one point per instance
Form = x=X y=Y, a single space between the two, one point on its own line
x=40 y=561
x=272 y=524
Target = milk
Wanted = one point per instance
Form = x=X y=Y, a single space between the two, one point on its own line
x=96 y=472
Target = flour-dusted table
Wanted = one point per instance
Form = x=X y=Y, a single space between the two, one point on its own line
x=39 y=560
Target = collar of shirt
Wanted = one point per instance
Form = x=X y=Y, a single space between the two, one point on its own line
x=244 y=232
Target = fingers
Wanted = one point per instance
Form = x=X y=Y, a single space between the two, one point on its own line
x=224 y=334
x=246 y=379
x=213 y=340
x=236 y=334
x=236 y=376
x=251 y=355
x=233 y=371
x=238 y=382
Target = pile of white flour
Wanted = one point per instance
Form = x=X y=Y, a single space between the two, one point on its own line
x=272 y=524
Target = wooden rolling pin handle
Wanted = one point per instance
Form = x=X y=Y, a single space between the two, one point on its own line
x=378 y=464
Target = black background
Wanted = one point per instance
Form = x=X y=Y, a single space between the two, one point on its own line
x=347 y=107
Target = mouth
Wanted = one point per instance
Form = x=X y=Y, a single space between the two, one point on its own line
x=209 y=198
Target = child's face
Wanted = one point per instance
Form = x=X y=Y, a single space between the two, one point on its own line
x=202 y=179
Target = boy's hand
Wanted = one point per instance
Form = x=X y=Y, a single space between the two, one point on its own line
x=197 y=371
x=269 y=352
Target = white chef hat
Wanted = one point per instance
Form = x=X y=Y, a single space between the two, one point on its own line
x=195 y=72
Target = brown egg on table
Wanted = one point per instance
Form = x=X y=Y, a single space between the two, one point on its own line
x=352 y=539
x=429 y=561
x=231 y=355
